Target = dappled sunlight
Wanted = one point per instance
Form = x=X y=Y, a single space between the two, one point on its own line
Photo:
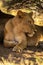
x=41 y=39
x=31 y=55
x=24 y=59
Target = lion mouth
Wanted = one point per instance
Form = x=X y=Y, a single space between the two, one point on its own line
x=31 y=34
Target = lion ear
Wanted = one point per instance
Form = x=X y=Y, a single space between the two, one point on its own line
x=31 y=14
x=20 y=14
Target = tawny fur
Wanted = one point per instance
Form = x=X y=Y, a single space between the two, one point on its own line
x=20 y=31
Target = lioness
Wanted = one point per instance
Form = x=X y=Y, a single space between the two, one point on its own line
x=17 y=29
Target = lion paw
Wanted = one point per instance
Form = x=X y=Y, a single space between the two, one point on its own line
x=17 y=49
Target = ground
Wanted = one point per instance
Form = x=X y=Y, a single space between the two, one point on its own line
x=31 y=55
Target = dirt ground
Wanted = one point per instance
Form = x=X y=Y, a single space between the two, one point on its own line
x=29 y=56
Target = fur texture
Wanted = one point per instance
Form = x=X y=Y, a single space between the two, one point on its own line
x=20 y=31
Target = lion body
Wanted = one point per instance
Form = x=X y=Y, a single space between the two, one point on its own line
x=20 y=31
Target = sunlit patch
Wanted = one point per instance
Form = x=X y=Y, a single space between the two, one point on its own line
x=41 y=39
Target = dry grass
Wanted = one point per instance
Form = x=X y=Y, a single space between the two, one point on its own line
x=30 y=56
x=6 y=62
x=39 y=61
x=12 y=11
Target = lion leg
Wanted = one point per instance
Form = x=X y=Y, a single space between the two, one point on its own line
x=22 y=42
x=9 y=40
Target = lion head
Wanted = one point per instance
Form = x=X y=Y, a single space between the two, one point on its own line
x=25 y=23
